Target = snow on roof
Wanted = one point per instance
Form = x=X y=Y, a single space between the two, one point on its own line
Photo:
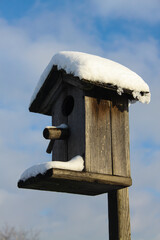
x=75 y=164
x=96 y=69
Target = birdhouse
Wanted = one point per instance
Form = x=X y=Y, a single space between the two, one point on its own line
x=88 y=99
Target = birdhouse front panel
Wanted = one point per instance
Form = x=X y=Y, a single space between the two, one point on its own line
x=69 y=109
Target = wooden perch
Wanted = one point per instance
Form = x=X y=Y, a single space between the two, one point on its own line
x=50 y=146
x=59 y=132
x=55 y=133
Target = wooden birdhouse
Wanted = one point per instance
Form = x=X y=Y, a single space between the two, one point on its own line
x=87 y=98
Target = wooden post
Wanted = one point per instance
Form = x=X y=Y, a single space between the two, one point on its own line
x=119 y=216
x=118 y=201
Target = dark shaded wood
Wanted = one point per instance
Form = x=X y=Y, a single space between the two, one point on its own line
x=105 y=93
x=76 y=82
x=76 y=123
x=50 y=146
x=113 y=216
x=74 y=118
x=75 y=182
x=59 y=132
x=47 y=93
x=89 y=85
x=97 y=135
x=60 y=148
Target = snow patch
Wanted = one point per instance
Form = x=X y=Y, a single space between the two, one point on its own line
x=63 y=126
x=96 y=69
x=120 y=90
x=75 y=164
x=142 y=98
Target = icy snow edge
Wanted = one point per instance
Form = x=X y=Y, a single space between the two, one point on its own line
x=99 y=70
x=75 y=164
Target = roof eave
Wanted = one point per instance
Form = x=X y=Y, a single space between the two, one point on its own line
x=52 y=86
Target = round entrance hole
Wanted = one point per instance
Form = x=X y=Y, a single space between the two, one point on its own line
x=68 y=105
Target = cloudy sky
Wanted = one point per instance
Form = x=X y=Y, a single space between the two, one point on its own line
x=31 y=32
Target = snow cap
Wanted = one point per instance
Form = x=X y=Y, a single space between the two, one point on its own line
x=99 y=71
x=75 y=164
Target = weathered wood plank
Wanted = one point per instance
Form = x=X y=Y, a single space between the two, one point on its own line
x=98 y=135
x=118 y=201
x=75 y=182
x=119 y=216
x=120 y=136
x=91 y=177
x=123 y=214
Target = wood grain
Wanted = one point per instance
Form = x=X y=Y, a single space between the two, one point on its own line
x=120 y=136
x=97 y=135
x=75 y=182
x=118 y=201
x=123 y=214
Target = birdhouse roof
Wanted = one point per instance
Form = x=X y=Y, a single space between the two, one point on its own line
x=92 y=70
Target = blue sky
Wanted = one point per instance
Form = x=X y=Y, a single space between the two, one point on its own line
x=31 y=33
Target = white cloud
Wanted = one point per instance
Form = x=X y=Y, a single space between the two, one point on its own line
x=145 y=10
x=145 y=215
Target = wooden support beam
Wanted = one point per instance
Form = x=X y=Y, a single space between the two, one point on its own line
x=113 y=216
x=119 y=215
x=118 y=200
